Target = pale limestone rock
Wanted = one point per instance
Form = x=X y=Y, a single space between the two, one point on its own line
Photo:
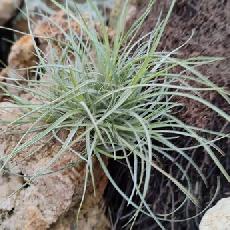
x=8 y=185
x=8 y=112
x=46 y=201
x=7 y=9
x=48 y=198
x=217 y=217
x=22 y=55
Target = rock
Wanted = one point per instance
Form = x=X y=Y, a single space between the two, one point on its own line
x=45 y=199
x=8 y=9
x=92 y=216
x=217 y=217
x=8 y=112
x=35 y=220
x=8 y=185
x=118 y=7
x=23 y=58
x=22 y=55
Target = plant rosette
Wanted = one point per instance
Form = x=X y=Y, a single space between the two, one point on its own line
x=117 y=97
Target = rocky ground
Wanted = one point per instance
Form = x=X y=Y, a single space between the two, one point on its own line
x=211 y=21
x=52 y=203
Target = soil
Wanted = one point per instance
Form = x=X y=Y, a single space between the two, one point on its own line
x=211 y=21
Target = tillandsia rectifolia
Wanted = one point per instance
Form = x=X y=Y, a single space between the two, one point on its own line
x=118 y=97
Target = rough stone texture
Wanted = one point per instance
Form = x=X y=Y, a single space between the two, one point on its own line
x=7 y=9
x=91 y=216
x=217 y=217
x=21 y=59
x=22 y=54
x=211 y=21
x=45 y=202
x=46 y=29
x=44 y=199
x=8 y=185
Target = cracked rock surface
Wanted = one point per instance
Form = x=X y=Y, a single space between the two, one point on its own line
x=41 y=203
x=33 y=198
x=217 y=217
